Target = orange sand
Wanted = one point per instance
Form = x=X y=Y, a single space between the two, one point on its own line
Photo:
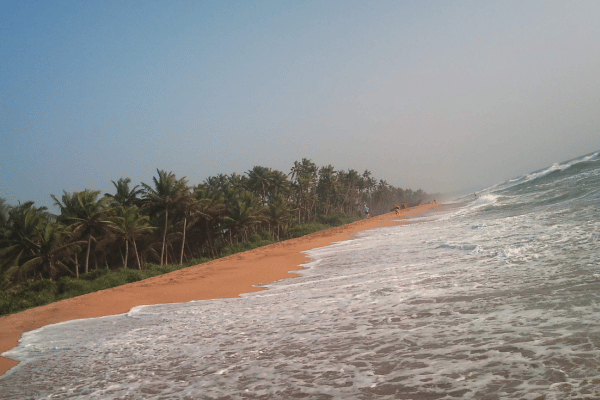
x=222 y=278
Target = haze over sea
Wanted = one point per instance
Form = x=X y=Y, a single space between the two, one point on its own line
x=492 y=297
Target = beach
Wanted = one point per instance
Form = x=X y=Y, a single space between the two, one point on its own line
x=227 y=277
x=488 y=297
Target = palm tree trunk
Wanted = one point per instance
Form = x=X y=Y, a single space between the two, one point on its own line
x=121 y=254
x=190 y=253
x=162 y=251
x=183 y=240
x=137 y=257
x=76 y=265
x=126 y=253
x=209 y=239
x=87 y=256
x=172 y=255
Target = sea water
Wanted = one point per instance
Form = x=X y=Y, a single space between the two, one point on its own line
x=495 y=297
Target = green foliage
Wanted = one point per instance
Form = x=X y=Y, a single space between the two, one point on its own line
x=68 y=287
x=95 y=274
x=305 y=229
x=254 y=243
x=33 y=294
x=168 y=192
x=263 y=235
x=125 y=197
x=338 y=219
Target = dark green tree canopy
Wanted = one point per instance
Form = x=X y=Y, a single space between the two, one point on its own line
x=167 y=221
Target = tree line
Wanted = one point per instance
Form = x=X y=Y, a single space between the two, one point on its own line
x=168 y=221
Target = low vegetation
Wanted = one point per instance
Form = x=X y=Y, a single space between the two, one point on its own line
x=34 y=293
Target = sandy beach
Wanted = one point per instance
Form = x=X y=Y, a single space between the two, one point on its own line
x=226 y=277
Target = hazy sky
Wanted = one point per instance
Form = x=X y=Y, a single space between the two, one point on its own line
x=436 y=95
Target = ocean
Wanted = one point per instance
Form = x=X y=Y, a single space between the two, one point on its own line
x=495 y=296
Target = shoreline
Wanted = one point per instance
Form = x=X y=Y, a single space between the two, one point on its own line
x=226 y=277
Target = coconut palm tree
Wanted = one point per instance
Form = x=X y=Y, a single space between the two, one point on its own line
x=237 y=183
x=129 y=226
x=213 y=211
x=165 y=194
x=350 y=182
x=21 y=235
x=87 y=214
x=50 y=249
x=279 y=212
x=3 y=217
x=125 y=197
x=243 y=212
x=304 y=178
x=326 y=188
x=191 y=209
x=279 y=184
x=259 y=180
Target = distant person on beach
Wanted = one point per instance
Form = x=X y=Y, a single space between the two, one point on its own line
x=367 y=211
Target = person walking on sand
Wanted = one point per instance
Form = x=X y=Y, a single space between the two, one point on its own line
x=367 y=211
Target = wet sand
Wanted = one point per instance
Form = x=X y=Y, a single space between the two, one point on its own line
x=222 y=278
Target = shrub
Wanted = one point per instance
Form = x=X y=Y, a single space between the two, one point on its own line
x=43 y=285
x=338 y=219
x=305 y=229
x=95 y=274
x=130 y=275
x=33 y=294
x=71 y=285
x=239 y=247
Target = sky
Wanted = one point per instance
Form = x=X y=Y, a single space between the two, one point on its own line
x=434 y=95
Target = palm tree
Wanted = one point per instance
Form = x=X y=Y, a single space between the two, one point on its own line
x=130 y=225
x=212 y=212
x=3 y=217
x=87 y=214
x=68 y=211
x=237 y=182
x=349 y=181
x=280 y=212
x=166 y=193
x=20 y=239
x=125 y=197
x=326 y=188
x=191 y=209
x=259 y=179
x=304 y=175
x=50 y=249
x=243 y=212
x=69 y=207
x=279 y=184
